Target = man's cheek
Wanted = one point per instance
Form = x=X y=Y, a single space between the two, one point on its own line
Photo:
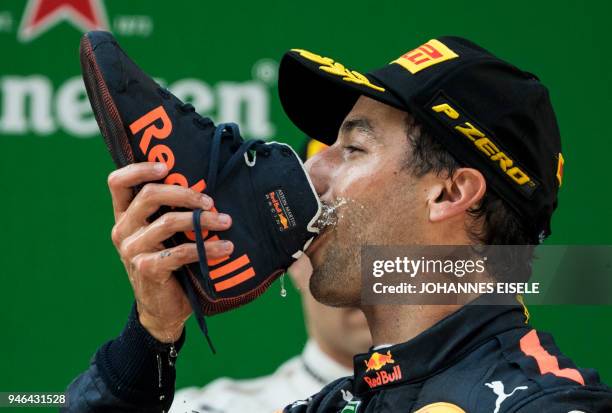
x=354 y=182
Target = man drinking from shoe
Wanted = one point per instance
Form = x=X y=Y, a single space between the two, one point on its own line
x=446 y=145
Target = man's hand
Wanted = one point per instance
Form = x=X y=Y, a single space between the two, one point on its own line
x=163 y=307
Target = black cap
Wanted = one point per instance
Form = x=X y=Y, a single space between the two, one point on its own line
x=489 y=114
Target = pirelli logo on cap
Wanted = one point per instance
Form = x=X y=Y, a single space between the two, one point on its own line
x=482 y=142
x=429 y=54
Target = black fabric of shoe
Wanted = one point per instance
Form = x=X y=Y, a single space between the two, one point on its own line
x=261 y=185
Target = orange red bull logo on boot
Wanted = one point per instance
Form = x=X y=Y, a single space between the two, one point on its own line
x=376 y=362
x=156 y=124
x=277 y=201
x=279 y=212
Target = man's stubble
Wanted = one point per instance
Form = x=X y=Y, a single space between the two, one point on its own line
x=386 y=218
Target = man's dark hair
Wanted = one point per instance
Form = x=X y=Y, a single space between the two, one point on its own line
x=500 y=224
x=494 y=222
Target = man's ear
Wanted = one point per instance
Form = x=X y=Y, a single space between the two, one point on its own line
x=456 y=194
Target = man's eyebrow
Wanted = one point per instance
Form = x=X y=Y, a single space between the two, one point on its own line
x=362 y=124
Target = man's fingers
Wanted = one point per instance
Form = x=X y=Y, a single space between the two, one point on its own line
x=150 y=198
x=158 y=266
x=121 y=182
x=166 y=226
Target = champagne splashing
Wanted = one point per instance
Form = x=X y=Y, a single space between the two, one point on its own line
x=329 y=214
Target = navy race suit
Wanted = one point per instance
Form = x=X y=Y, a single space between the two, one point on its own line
x=479 y=359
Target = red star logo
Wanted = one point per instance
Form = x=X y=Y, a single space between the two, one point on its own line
x=41 y=15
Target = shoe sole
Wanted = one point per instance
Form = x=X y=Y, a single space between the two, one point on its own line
x=105 y=111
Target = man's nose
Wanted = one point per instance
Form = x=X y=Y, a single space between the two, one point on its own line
x=320 y=170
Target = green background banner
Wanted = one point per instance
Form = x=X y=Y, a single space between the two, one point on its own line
x=64 y=291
